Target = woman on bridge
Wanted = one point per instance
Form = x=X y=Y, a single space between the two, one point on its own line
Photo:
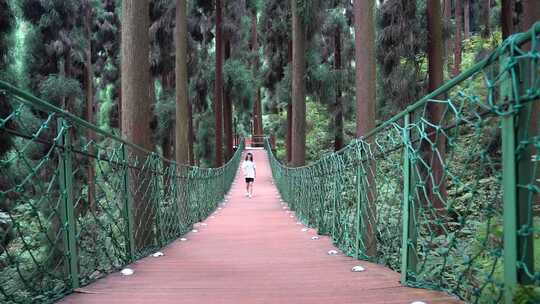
x=249 y=172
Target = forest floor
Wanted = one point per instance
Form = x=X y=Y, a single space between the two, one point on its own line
x=253 y=251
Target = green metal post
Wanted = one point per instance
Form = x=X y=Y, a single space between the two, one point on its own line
x=509 y=207
x=525 y=172
x=156 y=196
x=224 y=184
x=405 y=206
x=359 y=216
x=67 y=213
x=292 y=189
x=334 y=203
x=176 y=197
x=128 y=206
x=288 y=185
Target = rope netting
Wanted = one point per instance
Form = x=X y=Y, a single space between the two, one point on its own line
x=446 y=192
x=77 y=203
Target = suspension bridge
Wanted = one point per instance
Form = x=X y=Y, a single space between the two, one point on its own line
x=437 y=211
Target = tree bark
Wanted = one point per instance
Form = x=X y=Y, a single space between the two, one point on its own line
x=257 y=111
x=466 y=18
x=136 y=109
x=338 y=107
x=434 y=110
x=365 y=105
x=227 y=111
x=447 y=14
x=191 y=140
x=365 y=66
x=531 y=15
x=507 y=10
x=458 y=42
x=288 y=144
x=182 y=107
x=218 y=95
x=298 y=157
x=257 y=115
x=447 y=10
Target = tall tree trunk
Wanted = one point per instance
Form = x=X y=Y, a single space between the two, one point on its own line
x=136 y=106
x=254 y=65
x=218 y=95
x=507 y=10
x=338 y=107
x=257 y=115
x=182 y=111
x=447 y=14
x=298 y=157
x=434 y=110
x=531 y=15
x=447 y=11
x=227 y=110
x=365 y=104
x=466 y=18
x=257 y=111
x=458 y=42
x=168 y=140
x=485 y=14
x=89 y=89
x=365 y=66
x=191 y=139
x=288 y=144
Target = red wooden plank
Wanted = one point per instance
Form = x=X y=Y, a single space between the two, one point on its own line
x=253 y=252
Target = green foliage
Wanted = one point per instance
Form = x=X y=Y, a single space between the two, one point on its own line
x=476 y=48
x=241 y=86
x=33 y=199
x=255 y=5
x=239 y=80
x=164 y=110
x=275 y=32
x=276 y=125
x=57 y=87
x=456 y=237
x=39 y=37
x=336 y=17
x=308 y=11
x=322 y=79
x=400 y=55
x=318 y=137
x=527 y=295
x=19 y=57
x=204 y=142
x=283 y=88
x=107 y=103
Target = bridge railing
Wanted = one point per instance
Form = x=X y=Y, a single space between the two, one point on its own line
x=446 y=192
x=78 y=202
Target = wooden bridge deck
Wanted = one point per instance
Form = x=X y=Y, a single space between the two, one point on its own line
x=252 y=251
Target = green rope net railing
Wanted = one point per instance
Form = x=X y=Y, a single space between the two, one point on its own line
x=446 y=192
x=77 y=203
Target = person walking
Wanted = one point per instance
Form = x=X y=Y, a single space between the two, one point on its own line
x=248 y=166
